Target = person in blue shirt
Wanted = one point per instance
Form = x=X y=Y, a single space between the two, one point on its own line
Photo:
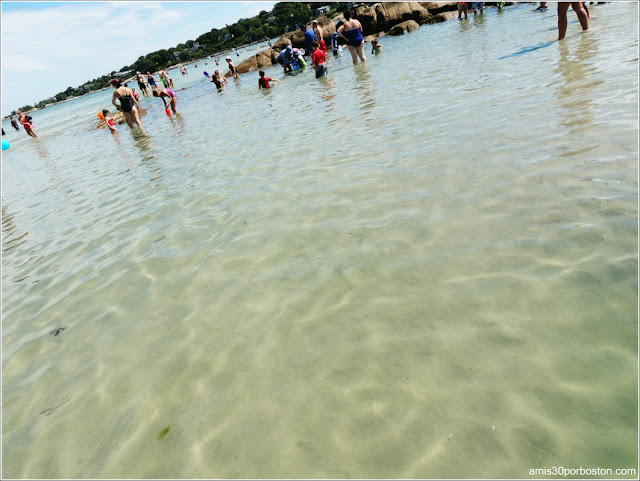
x=309 y=38
x=285 y=59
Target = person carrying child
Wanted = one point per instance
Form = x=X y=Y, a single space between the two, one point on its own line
x=218 y=79
x=26 y=120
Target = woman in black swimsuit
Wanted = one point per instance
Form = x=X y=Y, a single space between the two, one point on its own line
x=232 y=68
x=128 y=104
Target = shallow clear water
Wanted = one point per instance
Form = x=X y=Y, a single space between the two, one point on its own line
x=424 y=266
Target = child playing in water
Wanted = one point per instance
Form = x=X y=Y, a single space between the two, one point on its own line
x=375 y=46
x=110 y=123
x=263 y=81
x=319 y=59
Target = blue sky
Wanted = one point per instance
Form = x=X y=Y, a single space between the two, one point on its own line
x=49 y=46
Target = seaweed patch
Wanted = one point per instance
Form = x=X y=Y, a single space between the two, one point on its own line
x=162 y=434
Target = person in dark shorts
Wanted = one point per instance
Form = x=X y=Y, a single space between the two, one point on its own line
x=142 y=84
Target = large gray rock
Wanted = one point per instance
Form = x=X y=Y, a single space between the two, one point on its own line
x=404 y=27
x=262 y=59
x=442 y=17
x=438 y=7
x=382 y=16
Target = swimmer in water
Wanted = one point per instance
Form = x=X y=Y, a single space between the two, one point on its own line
x=375 y=46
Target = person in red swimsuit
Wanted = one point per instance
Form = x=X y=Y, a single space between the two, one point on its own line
x=26 y=123
x=110 y=123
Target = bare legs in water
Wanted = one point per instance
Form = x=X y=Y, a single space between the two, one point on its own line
x=563 y=7
x=357 y=52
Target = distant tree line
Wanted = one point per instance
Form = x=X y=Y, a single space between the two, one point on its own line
x=285 y=17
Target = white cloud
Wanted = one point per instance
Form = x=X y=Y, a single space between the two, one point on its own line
x=80 y=41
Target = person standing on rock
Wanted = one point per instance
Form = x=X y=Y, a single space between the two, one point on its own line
x=351 y=31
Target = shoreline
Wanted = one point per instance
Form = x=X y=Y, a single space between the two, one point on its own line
x=443 y=11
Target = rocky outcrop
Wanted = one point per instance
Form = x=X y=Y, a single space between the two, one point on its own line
x=397 y=18
x=262 y=59
x=285 y=40
x=404 y=27
x=435 y=8
x=442 y=17
x=381 y=17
